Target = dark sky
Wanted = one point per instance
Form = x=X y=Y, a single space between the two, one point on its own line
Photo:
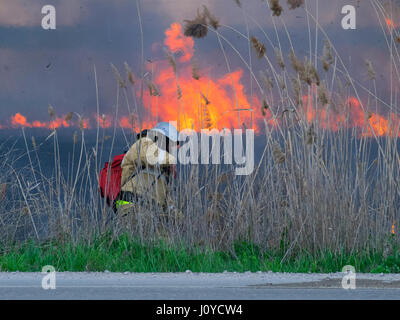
x=41 y=67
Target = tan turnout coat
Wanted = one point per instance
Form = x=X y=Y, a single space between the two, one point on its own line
x=141 y=170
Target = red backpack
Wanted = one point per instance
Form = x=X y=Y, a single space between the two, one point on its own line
x=110 y=179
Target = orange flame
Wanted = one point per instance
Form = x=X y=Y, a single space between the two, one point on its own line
x=390 y=23
x=18 y=120
x=204 y=103
x=177 y=42
x=86 y=123
x=369 y=123
x=220 y=102
x=216 y=116
x=103 y=121
x=125 y=122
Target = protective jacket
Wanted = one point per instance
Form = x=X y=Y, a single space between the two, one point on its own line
x=145 y=170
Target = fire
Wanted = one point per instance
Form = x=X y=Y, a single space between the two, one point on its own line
x=204 y=103
x=125 y=123
x=217 y=102
x=103 y=121
x=18 y=120
x=369 y=124
x=372 y=123
x=390 y=23
x=86 y=124
x=177 y=42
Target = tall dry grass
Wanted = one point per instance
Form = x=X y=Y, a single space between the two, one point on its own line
x=314 y=189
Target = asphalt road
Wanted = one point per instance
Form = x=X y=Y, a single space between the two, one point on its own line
x=192 y=286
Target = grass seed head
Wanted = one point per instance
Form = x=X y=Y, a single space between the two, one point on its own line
x=197 y=27
x=195 y=71
x=179 y=92
x=315 y=75
x=370 y=70
x=310 y=135
x=81 y=124
x=75 y=137
x=264 y=107
x=275 y=7
x=68 y=117
x=281 y=82
x=171 y=59
x=51 y=111
x=212 y=20
x=268 y=82
x=129 y=73
x=277 y=154
x=327 y=59
x=279 y=57
x=153 y=90
x=207 y=102
x=322 y=95
x=225 y=177
x=130 y=78
x=133 y=119
x=296 y=63
x=306 y=71
x=3 y=191
x=258 y=46
x=33 y=142
x=307 y=75
x=296 y=84
x=118 y=76
x=238 y=3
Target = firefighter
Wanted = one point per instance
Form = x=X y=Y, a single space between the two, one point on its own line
x=147 y=168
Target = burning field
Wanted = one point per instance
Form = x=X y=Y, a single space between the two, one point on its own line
x=328 y=175
x=177 y=89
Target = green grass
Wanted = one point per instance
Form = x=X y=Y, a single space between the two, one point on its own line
x=127 y=254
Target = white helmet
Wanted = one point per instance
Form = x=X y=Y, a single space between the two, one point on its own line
x=167 y=130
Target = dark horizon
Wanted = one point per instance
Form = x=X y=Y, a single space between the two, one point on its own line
x=56 y=67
